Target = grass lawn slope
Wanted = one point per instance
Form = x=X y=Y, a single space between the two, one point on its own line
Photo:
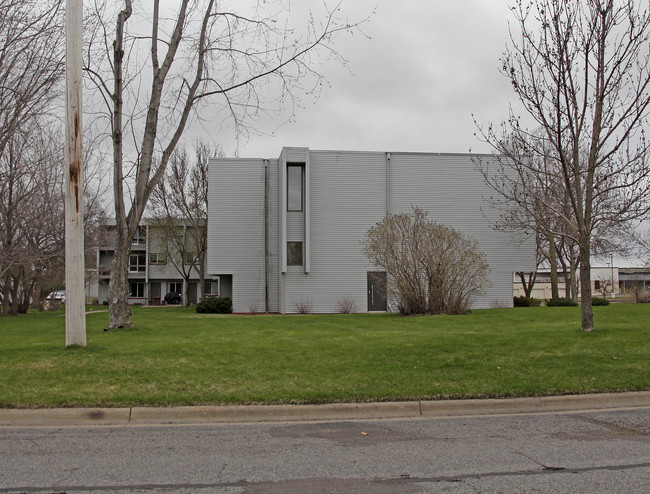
x=174 y=356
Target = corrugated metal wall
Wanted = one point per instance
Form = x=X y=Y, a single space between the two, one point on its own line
x=273 y=261
x=347 y=197
x=347 y=193
x=236 y=228
x=452 y=191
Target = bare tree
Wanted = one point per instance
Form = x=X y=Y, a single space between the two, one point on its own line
x=637 y=289
x=179 y=205
x=581 y=70
x=31 y=67
x=31 y=214
x=643 y=247
x=31 y=63
x=605 y=285
x=197 y=56
x=432 y=269
x=528 y=279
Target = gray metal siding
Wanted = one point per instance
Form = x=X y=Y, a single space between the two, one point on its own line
x=274 y=266
x=347 y=197
x=452 y=191
x=347 y=193
x=236 y=228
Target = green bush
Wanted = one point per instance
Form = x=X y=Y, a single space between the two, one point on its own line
x=599 y=301
x=525 y=302
x=215 y=305
x=561 y=302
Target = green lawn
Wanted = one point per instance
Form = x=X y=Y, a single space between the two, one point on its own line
x=175 y=356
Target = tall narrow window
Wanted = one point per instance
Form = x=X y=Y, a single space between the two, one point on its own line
x=295 y=186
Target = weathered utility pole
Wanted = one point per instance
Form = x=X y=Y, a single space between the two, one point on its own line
x=75 y=308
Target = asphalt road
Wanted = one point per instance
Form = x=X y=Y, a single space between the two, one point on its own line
x=570 y=452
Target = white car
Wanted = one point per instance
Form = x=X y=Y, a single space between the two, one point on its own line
x=57 y=295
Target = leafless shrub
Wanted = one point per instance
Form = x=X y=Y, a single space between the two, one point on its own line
x=51 y=305
x=636 y=289
x=643 y=297
x=498 y=304
x=346 y=305
x=253 y=308
x=304 y=306
x=432 y=268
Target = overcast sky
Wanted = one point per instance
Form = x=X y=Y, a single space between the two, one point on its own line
x=428 y=66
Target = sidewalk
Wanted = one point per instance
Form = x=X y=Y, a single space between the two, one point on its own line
x=140 y=416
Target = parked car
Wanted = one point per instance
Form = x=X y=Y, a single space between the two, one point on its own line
x=57 y=295
x=173 y=298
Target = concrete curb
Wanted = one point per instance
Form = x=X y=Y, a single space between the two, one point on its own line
x=141 y=416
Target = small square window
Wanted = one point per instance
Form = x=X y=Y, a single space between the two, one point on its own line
x=211 y=288
x=175 y=287
x=294 y=254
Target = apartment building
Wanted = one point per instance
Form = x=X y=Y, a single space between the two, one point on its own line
x=163 y=260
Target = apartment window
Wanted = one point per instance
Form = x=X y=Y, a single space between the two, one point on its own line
x=157 y=258
x=191 y=258
x=211 y=288
x=294 y=254
x=136 y=290
x=295 y=186
x=175 y=286
x=137 y=263
x=140 y=236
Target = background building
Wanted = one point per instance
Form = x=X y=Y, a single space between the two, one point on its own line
x=156 y=267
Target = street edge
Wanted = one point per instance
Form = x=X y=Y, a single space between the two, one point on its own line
x=185 y=415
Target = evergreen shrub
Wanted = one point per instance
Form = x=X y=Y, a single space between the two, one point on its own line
x=215 y=305
x=526 y=302
x=561 y=302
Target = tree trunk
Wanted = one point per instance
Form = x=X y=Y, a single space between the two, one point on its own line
x=201 y=287
x=585 y=289
x=5 y=296
x=186 y=291
x=552 y=257
x=574 y=282
x=568 y=283
x=118 y=286
x=118 y=304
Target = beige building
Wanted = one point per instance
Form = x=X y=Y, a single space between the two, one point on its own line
x=603 y=280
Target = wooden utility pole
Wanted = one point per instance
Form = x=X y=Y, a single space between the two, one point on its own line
x=75 y=308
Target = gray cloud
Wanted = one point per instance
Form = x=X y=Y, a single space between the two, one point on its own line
x=414 y=86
